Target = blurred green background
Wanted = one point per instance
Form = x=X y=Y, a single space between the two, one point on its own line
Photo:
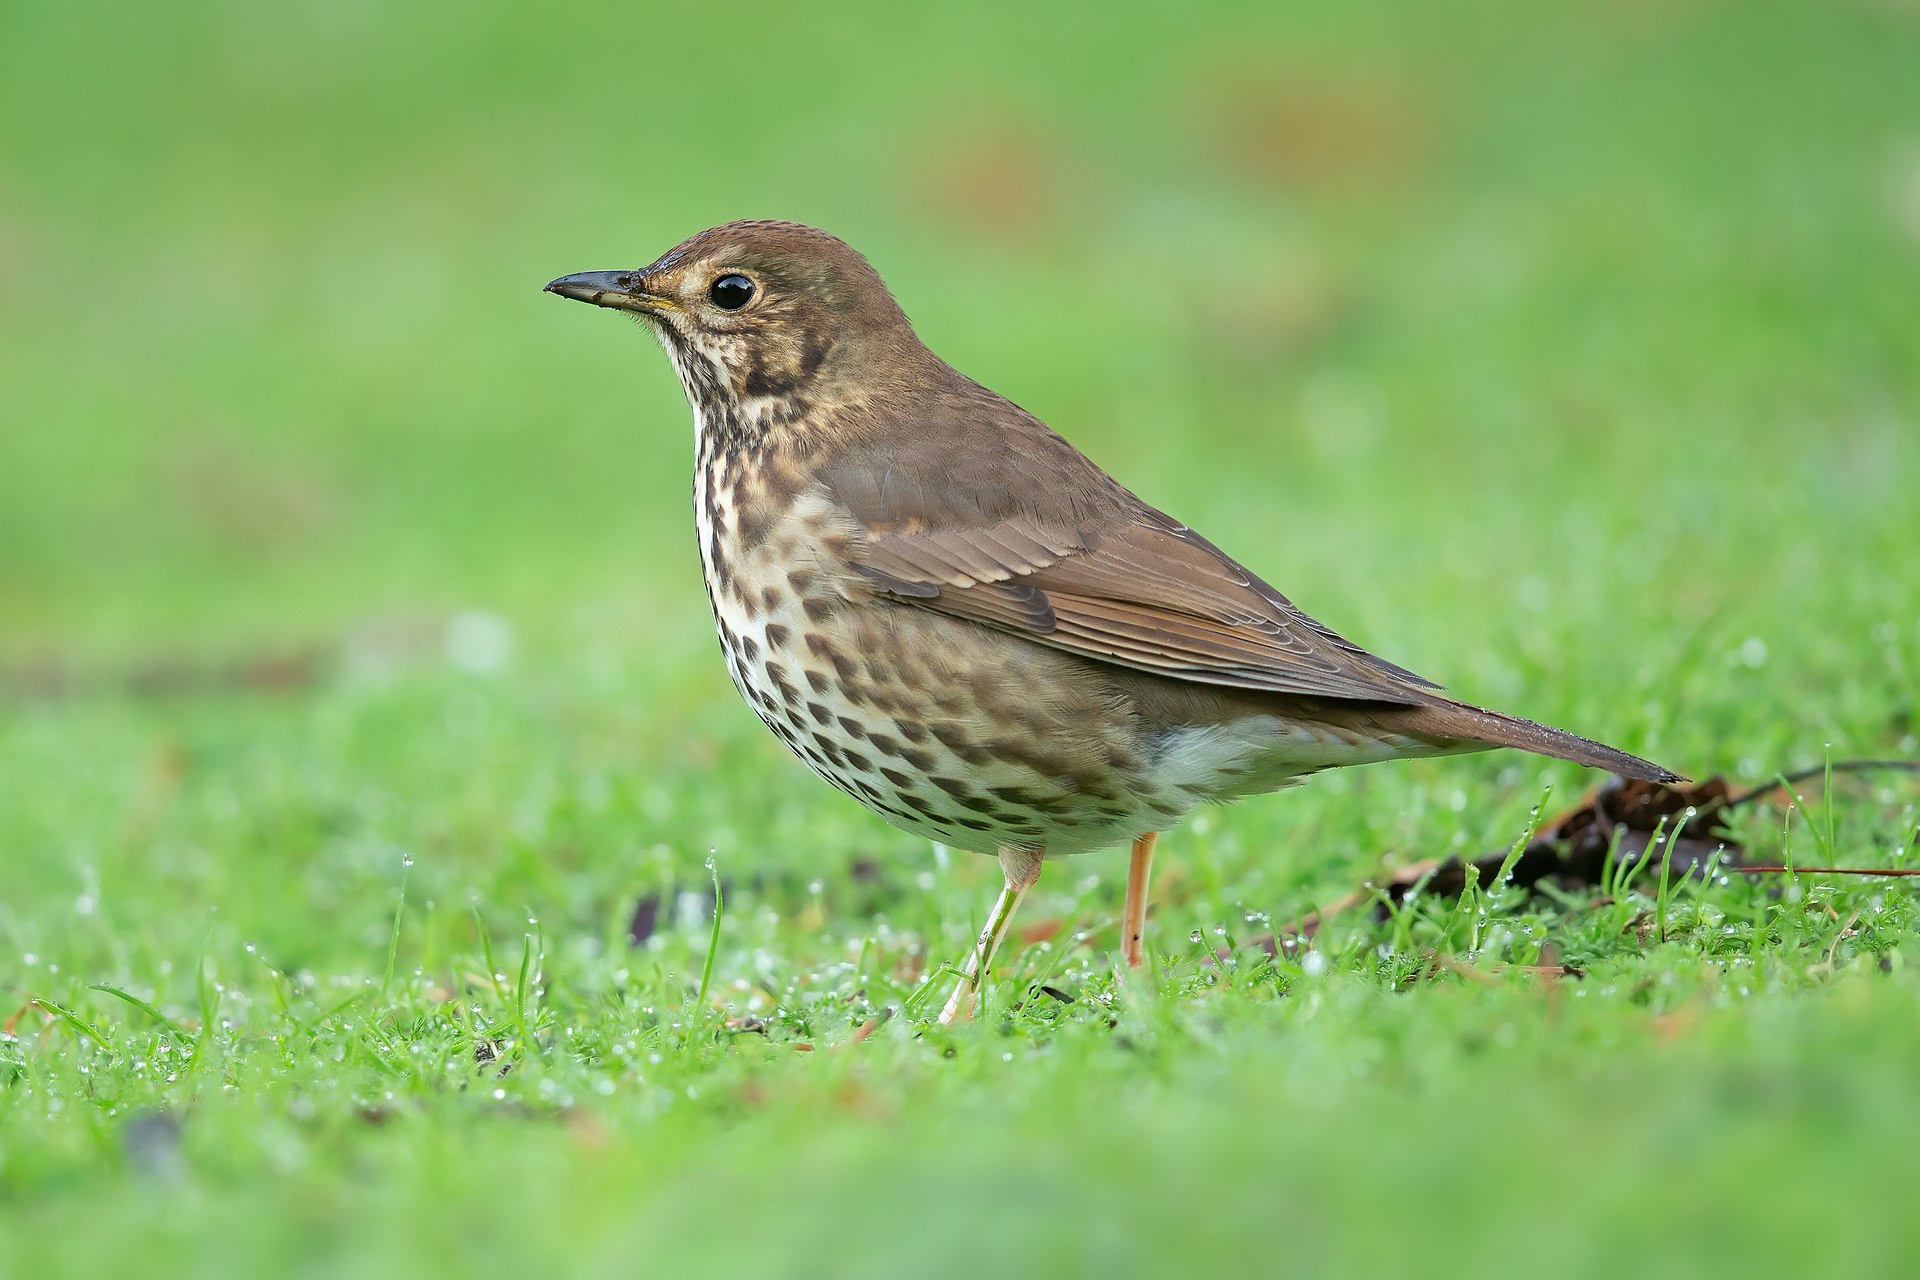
x=1570 y=355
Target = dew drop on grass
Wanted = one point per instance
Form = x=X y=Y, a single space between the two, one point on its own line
x=1313 y=964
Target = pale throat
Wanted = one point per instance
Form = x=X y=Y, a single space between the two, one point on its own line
x=711 y=370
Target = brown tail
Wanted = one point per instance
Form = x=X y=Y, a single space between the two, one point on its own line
x=1458 y=720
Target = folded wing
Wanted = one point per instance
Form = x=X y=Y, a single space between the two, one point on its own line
x=1103 y=575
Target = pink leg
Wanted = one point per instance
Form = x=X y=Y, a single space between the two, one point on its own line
x=1133 y=925
x=1021 y=867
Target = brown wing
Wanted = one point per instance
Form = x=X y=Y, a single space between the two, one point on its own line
x=1029 y=536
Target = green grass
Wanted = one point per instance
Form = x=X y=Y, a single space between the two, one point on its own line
x=356 y=686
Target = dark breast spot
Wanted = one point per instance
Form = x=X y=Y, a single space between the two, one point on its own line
x=752 y=521
x=954 y=739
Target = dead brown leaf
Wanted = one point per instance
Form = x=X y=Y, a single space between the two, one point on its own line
x=1621 y=818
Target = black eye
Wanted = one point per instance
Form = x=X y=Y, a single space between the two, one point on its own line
x=730 y=293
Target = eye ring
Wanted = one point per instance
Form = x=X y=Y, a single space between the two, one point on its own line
x=730 y=292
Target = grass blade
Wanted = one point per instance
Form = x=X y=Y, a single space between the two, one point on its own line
x=713 y=942
x=134 y=1000
x=78 y=1024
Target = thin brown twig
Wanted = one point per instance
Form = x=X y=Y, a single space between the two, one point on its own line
x=1824 y=871
x=868 y=1027
x=1819 y=771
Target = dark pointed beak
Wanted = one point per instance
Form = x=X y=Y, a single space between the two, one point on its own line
x=621 y=290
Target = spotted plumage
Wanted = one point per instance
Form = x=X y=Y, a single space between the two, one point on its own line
x=952 y=615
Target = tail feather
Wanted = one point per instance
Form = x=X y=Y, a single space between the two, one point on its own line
x=1460 y=721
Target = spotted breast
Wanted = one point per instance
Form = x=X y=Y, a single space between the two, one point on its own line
x=930 y=722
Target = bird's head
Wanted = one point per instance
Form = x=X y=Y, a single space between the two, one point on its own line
x=762 y=319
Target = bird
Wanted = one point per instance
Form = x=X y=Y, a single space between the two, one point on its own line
x=954 y=616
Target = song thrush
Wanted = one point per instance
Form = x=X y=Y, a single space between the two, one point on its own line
x=955 y=617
